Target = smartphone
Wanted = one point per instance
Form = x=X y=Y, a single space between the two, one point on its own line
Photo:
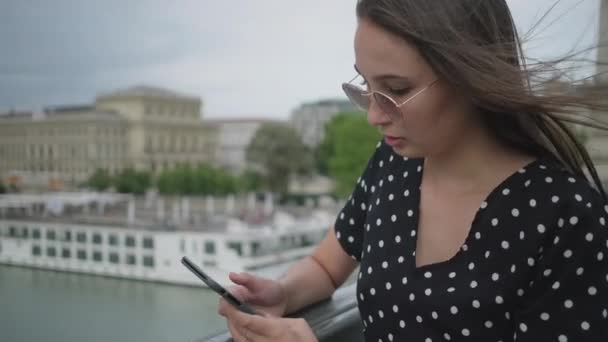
x=219 y=289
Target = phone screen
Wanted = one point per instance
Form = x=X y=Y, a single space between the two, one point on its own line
x=215 y=286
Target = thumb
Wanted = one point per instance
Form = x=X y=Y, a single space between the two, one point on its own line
x=244 y=279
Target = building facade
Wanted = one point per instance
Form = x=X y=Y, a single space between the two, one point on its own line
x=234 y=136
x=598 y=140
x=143 y=128
x=309 y=120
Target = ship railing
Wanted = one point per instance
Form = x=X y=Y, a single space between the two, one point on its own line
x=335 y=319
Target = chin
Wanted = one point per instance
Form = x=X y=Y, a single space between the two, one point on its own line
x=408 y=152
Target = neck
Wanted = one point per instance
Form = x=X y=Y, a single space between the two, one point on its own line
x=474 y=164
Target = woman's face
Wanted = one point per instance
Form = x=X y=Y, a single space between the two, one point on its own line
x=433 y=121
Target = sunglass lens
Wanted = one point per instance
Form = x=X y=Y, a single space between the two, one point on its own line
x=356 y=96
x=386 y=105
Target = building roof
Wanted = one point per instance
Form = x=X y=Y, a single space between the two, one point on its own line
x=147 y=91
x=243 y=121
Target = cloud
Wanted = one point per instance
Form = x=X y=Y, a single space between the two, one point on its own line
x=244 y=58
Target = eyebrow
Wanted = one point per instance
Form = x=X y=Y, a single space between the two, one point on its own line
x=385 y=77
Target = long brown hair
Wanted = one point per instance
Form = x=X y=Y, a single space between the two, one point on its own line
x=473 y=45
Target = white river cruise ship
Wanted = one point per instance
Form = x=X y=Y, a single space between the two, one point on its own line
x=104 y=234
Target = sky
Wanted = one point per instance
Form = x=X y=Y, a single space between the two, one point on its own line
x=243 y=58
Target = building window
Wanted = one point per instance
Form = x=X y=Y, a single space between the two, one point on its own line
x=113 y=240
x=148 y=243
x=36 y=250
x=81 y=254
x=67 y=236
x=36 y=233
x=97 y=256
x=210 y=247
x=130 y=241
x=148 y=261
x=97 y=239
x=114 y=258
x=130 y=259
x=81 y=237
x=182 y=245
x=65 y=253
x=25 y=232
x=50 y=235
x=51 y=252
x=236 y=246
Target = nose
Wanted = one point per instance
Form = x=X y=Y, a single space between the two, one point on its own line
x=375 y=115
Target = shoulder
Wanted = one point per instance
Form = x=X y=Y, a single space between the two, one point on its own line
x=564 y=198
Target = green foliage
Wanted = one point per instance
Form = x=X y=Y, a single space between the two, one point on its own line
x=133 y=182
x=349 y=143
x=201 y=180
x=251 y=180
x=100 y=180
x=279 y=152
x=2 y=188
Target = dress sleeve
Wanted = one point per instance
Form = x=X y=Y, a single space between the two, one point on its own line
x=349 y=225
x=567 y=298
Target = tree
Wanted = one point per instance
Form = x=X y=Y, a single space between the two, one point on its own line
x=201 y=180
x=279 y=152
x=325 y=150
x=2 y=188
x=100 y=180
x=133 y=182
x=349 y=143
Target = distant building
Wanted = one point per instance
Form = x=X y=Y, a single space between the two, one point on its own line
x=234 y=136
x=598 y=140
x=141 y=127
x=309 y=119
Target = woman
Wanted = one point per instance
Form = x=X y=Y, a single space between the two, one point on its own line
x=473 y=220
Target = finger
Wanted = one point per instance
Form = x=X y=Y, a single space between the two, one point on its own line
x=237 y=336
x=243 y=278
x=261 y=326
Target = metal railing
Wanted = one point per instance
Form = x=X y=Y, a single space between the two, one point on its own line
x=336 y=319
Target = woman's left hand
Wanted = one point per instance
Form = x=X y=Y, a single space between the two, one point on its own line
x=255 y=328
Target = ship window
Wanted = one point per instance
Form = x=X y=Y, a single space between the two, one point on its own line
x=210 y=247
x=50 y=251
x=255 y=248
x=81 y=254
x=130 y=259
x=238 y=248
x=97 y=256
x=50 y=235
x=149 y=261
x=130 y=241
x=148 y=243
x=36 y=234
x=114 y=258
x=81 y=237
x=36 y=250
x=97 y=239
x=65 y=253
x=113 y=240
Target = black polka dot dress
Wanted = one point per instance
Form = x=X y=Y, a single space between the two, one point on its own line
x=534 y=266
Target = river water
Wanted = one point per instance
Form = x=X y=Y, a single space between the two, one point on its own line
x=39 y=305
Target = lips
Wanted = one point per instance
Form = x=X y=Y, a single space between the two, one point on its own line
x=393 y=141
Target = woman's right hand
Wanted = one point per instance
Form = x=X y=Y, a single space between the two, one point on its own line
x=265 y=295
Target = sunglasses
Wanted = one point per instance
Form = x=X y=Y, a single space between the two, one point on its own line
x=363 y=99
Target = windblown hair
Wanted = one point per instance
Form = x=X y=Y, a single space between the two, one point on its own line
x=473 y=46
